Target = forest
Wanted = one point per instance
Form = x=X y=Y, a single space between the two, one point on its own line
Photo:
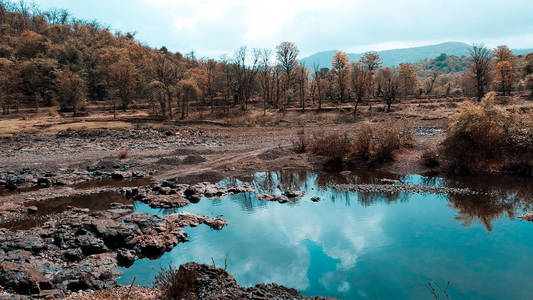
x=50 y=58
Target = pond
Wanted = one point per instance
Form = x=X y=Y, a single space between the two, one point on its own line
x=359 y=245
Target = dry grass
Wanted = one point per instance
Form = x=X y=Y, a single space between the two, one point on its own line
x=484 y=137
x=176 y=284
x=369 y=143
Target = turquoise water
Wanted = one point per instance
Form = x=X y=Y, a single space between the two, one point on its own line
x=354 y=245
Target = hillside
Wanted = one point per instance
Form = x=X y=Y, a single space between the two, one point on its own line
x=407 y=55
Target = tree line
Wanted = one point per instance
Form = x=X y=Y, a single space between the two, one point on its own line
x=50 y=58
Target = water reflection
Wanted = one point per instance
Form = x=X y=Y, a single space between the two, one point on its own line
x=364 y=245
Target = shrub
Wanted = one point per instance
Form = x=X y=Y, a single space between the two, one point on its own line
x=483 y=137
x=333 y=145
x=430 y=158
x=363 y=141
x=176 y=284
x=387 y=140
x=300 y=144
x=123 y=154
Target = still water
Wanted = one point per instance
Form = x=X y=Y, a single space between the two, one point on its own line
x=355 y=245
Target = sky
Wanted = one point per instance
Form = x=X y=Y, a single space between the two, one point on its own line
x=215 y=27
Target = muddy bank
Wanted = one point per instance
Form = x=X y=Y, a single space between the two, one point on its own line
x=82 y=250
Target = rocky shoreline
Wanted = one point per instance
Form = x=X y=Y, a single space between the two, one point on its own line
x=82 y=250
x=207 y=282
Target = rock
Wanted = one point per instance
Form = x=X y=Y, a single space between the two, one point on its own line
x=278 y=198
x=294 y=194
x=315 y=199
x=527 y=217
x=79 y=250
x=32 y=210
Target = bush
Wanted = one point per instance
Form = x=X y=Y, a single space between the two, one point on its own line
x=300 y=144
x=483 y=138
x=334 y=146
x=430 y=159
x=123 y=154
x=176 y=284
x=370 y=144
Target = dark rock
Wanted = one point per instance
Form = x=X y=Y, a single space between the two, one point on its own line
x=294 y=194
x=315 y=199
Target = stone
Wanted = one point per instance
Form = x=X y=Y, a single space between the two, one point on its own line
x=294 y=194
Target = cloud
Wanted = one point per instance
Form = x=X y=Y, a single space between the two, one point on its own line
x=214 y=27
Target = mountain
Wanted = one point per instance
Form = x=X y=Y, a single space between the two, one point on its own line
x=407 y=55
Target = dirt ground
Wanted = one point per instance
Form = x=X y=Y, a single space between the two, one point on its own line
x=196 y=151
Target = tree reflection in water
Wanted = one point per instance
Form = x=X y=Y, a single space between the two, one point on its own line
x=500 y=196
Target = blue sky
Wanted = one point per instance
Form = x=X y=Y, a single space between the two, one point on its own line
x=215 y=27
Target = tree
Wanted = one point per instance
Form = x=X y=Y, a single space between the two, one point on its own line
x=430 y=82
x=503 y=53
x=318 y=82
x=408 y=79
x=123 y=77
x=9 y=85
x=480 y=68
x=71 y=90
x=528 y=64
x=388 y=85
x=38 y=76
x=166 y=72
x=266 y=81
x=372 y=61
x=361 y=80
x=529 y=83
x=302 y=76
x=287 y=55
x=189 y=91
x=505 y=75
x=340 y=67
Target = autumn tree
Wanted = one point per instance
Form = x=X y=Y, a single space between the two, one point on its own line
x=480 y=68
x=408 y=79
x=38 y=76
x=430 y=82
x=123 y=77
x=71 y=90
x=340 y=68
x=167 y=72
x=505 y=76
x=529 y=83
x=189 y=91
x=361 y=81
x=388 y=85
x=319 y=84
x=528 y=63
x=287 y=55
x=9 y=85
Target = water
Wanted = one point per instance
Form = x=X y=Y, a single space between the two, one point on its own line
x=49 y=208
x=366 y=245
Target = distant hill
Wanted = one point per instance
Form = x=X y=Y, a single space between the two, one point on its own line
x=407 y=55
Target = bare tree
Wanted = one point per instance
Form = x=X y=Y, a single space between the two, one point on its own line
x=340 y=67
x=287 y=55
x=361 y=79
x=266 y=68
x=388 y=85
x=480 y=68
